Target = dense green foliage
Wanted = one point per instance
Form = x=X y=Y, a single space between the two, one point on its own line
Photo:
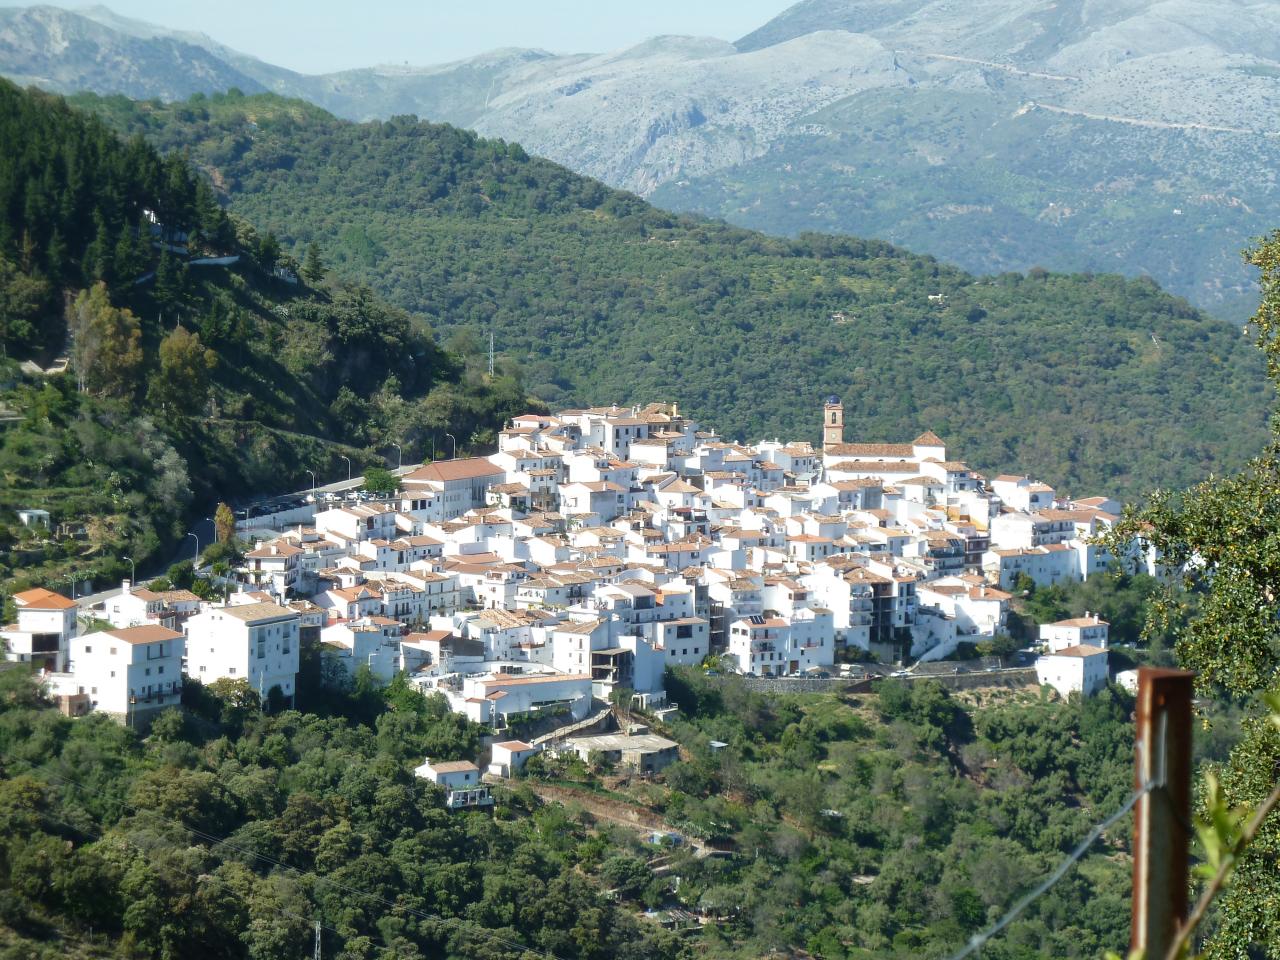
x=188 y=381
x=1224 y=537
x=119 y=843
x=891 y=828
x=899 y=826
x=1093 y=382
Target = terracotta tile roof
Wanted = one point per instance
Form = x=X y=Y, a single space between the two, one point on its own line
x=443 y=471
x=41 y=599
x=150 y=633
x=453 y=766
x=871 y=450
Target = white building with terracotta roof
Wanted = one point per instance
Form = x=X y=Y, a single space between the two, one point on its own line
x=458 y=485
x=274 y=566
x=42 y=634
x=1089 y=630
x=775 y=646
x=460 y=780
x=1080 y=669
x=135 y=606
x=130 y=673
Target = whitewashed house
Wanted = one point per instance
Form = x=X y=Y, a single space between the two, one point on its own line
x=1089 y=630
x=460 y=780
x=1079 y=669
x=509 y=757
x=130 y=674
x=42 y=635
x=257 y=642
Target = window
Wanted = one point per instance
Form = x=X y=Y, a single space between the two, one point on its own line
x=88 y=649
x=113 y=651
x=231 y=671
x=148 y=671
x=113 y=673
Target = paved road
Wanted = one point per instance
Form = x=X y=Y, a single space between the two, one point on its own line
x=203 y=529
x=338 y=486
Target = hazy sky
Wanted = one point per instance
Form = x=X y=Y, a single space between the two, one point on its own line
x=322 y=35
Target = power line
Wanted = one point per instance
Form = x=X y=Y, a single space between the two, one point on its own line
x=979 y=940
x=316 y=878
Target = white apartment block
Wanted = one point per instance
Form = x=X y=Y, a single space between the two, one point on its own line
x=257 y=642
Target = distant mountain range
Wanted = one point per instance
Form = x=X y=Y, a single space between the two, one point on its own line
x=1139 y=136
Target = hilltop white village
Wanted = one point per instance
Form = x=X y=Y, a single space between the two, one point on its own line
x=593 y=550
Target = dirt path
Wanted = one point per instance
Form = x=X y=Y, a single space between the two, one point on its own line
x=1008 y=68
x=1138 y=122
x=628 y=815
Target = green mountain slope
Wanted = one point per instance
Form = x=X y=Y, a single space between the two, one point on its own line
x=188 y=380
x=997 y=189
x=1094 y=382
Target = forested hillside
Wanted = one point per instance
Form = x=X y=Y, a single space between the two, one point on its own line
x=188 y=379
x=889 y=826
x=1092 y=382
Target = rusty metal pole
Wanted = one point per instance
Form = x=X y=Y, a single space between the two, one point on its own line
x=1161 y=818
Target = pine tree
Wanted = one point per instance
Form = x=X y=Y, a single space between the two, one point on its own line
x=171 y=281
x=313 y=268
x=268 y=251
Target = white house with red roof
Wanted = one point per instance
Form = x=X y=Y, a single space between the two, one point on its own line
x=1081 y=669
x=46 y=623
x=460 y=780
x=130 y=673
x=458 y=485
x=1089 y=630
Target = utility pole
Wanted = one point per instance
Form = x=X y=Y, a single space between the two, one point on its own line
x=490 y=354
x=1161 y=835
x=317 y=951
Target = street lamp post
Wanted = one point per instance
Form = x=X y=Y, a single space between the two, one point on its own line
x=454 y=455
x=399 y=457
x=348 y=459
x=195 y=561
x=313 y=482
x=133 y=571
x=433 y=448
x=215 y=528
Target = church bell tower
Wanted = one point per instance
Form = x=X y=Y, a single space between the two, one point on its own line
x=832 y=423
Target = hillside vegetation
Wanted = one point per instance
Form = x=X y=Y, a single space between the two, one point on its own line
x=1093 y=382
x=187 y=381
x=891 y=826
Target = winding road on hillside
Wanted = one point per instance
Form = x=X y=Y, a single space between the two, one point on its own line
x=1139 y=122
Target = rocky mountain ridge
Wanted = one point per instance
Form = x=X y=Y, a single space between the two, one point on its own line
x=997 y=134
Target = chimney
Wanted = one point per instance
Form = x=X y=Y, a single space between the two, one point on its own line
x=126 y=586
